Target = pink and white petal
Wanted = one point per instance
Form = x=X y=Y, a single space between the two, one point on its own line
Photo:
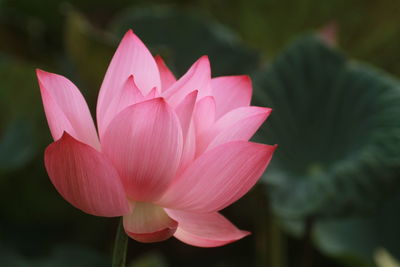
x=131 y=58
x=66 y=109
x=205 y=229
x=85 y=178
x=152 y=94
x=198 y=77
x=219 y=177
x=144 y=142
x=204 y=114
x=231 y=92
x=166 y=75
x=185 y=110
x=239 y=124
x=189 y=150
x=130 y=95
x=148 y=223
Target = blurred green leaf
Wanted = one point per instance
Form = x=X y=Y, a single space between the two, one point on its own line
x=10 y=258
x=17 y=145
x=182 y=36
x=356 y=239
x=18 y=89
x=20 y=106
x=336 y=123
x=65 y=255
x=73 y=255
x=367 y=29
x=384 y=259
x=90 y=51
x=153 y=259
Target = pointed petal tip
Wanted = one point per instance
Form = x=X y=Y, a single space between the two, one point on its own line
x=66 y=135
x=153 y=93
x=268 y=111
x=159 y=100
x=131 y=80
x=262 y=109
x=40 y=74
x=242 y=234
x=269 y=149
x=217 y=243
x=245 y=233
x=204 y=60
x=204 y=57
x=159 y=59
x=246 y=77
x=194 y=93
x=129 y=33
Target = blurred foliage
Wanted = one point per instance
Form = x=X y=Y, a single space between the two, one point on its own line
x=368 y=30
x=152 y=259
x=62 y=256
x=384 y=259
x=357 y=238
x=336 y=122
x=19 y=106
x=16 y=146
x=181 y=37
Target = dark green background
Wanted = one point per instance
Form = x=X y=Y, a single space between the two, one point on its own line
x=273 y=41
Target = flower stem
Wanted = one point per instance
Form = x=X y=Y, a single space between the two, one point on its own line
x=120 y=247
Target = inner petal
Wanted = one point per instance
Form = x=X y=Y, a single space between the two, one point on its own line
x=149 y=223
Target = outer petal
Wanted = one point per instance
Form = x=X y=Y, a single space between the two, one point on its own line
x=66 y=109
x=198 y=77
x=205 y=229
x=166 y=75
x=149 y=223
x=219 y=177
x=238 y=124
x=131 y=58
x=145 y=144
x=231 y=92
x=85 y=178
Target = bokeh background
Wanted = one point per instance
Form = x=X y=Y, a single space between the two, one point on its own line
x=329 y=69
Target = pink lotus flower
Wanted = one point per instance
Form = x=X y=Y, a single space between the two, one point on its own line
x=168 y=155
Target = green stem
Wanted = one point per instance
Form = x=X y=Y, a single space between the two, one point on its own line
x=120 y=247
x=270 y=241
